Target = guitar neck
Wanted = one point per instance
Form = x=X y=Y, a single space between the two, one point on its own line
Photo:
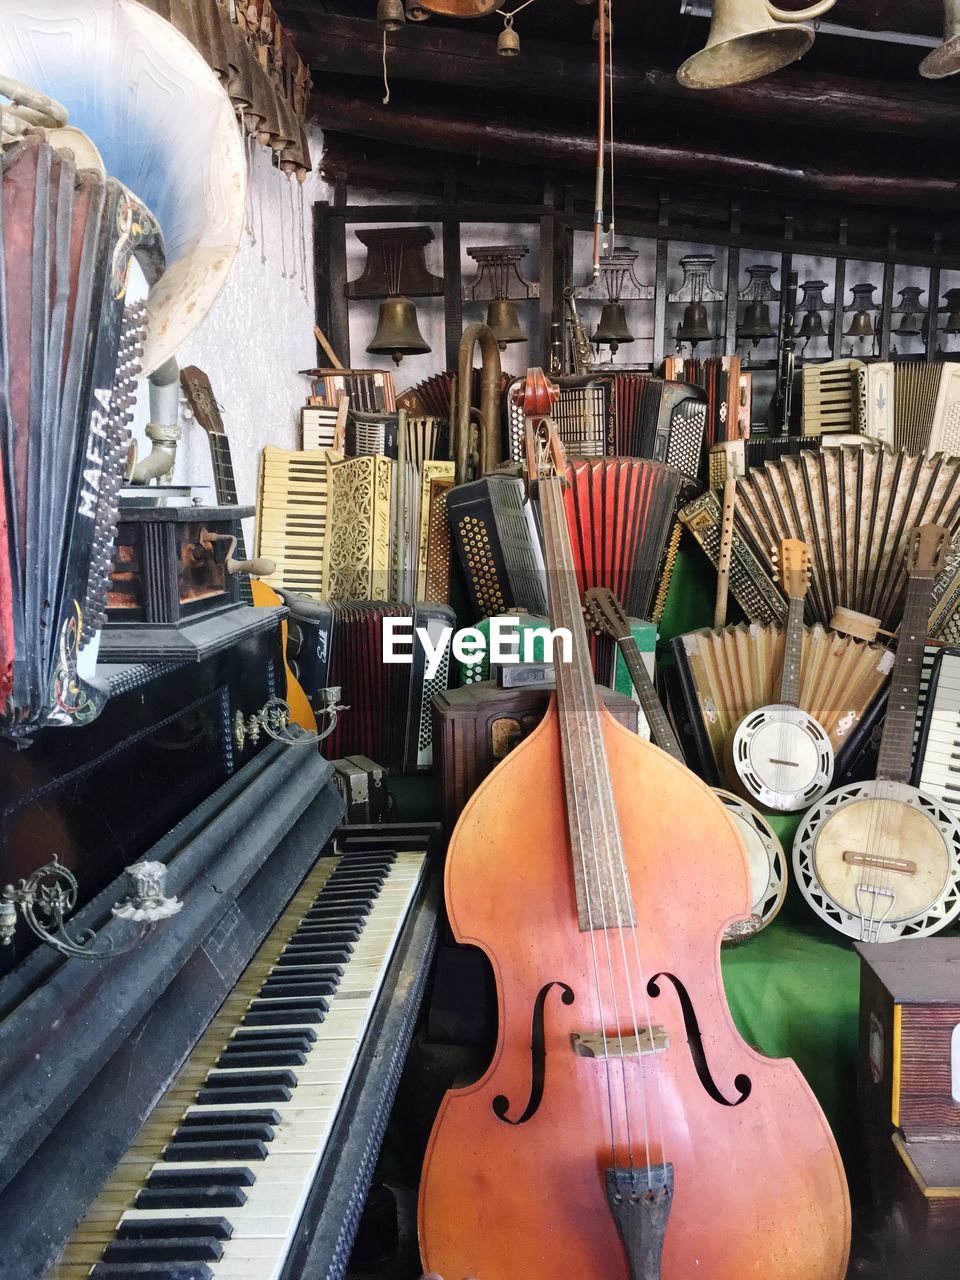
x=226 y=490
x=895 y=761
x=660 y=728
x=792 y=654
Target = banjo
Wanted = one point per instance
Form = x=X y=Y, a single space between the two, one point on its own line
x=779 y=756
x=765 y=857
x=880 y=860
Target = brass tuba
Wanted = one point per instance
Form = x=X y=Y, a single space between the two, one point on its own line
x=473 y=461
x=749 y=39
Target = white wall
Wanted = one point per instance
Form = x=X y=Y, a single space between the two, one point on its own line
x=258 y=333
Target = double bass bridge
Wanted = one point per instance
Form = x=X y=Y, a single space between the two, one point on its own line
x=598 y=1044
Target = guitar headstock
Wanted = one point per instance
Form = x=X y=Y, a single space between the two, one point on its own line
x=604 y=613
x=198 y=393
x=927 y=548
x=793 y=563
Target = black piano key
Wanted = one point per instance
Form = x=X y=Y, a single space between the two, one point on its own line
x=295 y=1004
x=253 y=1093
x=302 y=1038
x=330 y=946
x=344 y=894
x=224 y=1132
x=273 y=1018
x=173 y=1228
x=299 y=987
x=178 y=1179
x=189 y=1249
x=321 y=932
x=244 y=1079
x=336 y=915
x=151 y=1271
x=262 y=1057
x=205 y=1118
x=192 y=1198
x=313 y=973
x=223 y=1149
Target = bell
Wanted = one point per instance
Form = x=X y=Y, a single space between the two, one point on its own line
x=945 y=59
x=390 y=15
x=398 y=332
x=612 y=329
x=861 y=326
x=953 y=322
x=910 y=325
x=811 y=326
x=502 y=319
x=508 y=42
x=415 y=11
x=749 y=39
x=756 y=323
x=694 y=327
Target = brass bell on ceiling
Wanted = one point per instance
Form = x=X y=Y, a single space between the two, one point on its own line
x=612 y=330
x=945 y=59
x=503 y=320
x=694 y=327
x=508 y=42
x=861 y=326
x=811 y=326
x=749 y=39
x=398 y=331
x=391 y=15
x=756 y=323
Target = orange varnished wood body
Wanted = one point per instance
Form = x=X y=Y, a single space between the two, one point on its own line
x=300 y=710
x=759 y=1188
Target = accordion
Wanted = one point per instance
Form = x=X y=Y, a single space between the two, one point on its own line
x=938 y=742
x=912 y=406
x=498 y=546
x=619 y=513
x=662 y=420
x=370 y=390
x=69 y=355
x=725 y=674
x=831 y=398
x=728 y=393
x=584 y=414
x=341 y=644
x=292 y=518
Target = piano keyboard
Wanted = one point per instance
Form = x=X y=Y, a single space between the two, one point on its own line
x=292 y=518
x=215 y=1182
x=938 y=768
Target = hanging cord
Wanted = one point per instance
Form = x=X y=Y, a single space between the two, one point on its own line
x=613 y=205
x=386 y=82
x=284 y=275
x=304 y=277
x=601 y=140
x=263 y=234
x=251 y=229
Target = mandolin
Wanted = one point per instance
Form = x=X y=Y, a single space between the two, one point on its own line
x=779 y=756
x=623 y=1130
x=880 y=860
x=203 y=403
x=764 y=852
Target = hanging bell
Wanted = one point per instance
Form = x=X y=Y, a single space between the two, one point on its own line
x=910 y=325
x=953 y=322
x=415 y=11
x=503 y=320
x=945 y=59
x=612 y=329
x=811 y=326
x=390 y=15
x=952 y=299
x=861 y=326
x=756 y=323
x=694 y=327
x=508 y=42
x=749 y=39
x=398 y=331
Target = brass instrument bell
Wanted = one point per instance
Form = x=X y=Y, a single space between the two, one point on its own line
x=694 y=327
x=811 y=326
x=749 y=39
x=945 y=59
x=398 y=331
x=503 y=320
x=612 y=330
x=756 y=323
x=508 y=42
x=861 y=326
x=390 y=15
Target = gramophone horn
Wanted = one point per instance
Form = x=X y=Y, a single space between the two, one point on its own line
x=945 y=59
x=749 y=39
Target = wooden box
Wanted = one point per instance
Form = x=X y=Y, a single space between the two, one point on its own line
x=476 y=726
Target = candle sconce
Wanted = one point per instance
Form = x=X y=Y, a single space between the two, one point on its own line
x=275 y=720
x=46 y=898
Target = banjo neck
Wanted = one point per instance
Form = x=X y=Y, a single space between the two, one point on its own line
x=895 y=760
x=792 y=653
x=660 y=728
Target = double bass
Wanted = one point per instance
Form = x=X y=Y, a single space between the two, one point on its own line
x=623 y=1130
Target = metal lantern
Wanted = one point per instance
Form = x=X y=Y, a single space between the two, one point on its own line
x=503 y=320
x=612 y=330
x=398 y=331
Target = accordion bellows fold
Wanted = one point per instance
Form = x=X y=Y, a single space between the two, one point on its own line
x=69 y=353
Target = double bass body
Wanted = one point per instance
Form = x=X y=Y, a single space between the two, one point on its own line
x=513 y=1184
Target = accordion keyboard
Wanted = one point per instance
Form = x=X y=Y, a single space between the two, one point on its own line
x=215 y=1183
x=938 y=769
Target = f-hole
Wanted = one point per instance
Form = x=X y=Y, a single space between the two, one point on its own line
x=742 y=1083
x=538 y=1058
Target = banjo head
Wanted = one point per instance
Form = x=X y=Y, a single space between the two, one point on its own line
x=767 y=864
x=781 y=757
x=880 y=861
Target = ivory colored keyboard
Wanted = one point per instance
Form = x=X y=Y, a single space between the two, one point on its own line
x=939 y=770
x=216 y=1180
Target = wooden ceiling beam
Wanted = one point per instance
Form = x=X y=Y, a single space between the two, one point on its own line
x=423 y=54
x=793 y=170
